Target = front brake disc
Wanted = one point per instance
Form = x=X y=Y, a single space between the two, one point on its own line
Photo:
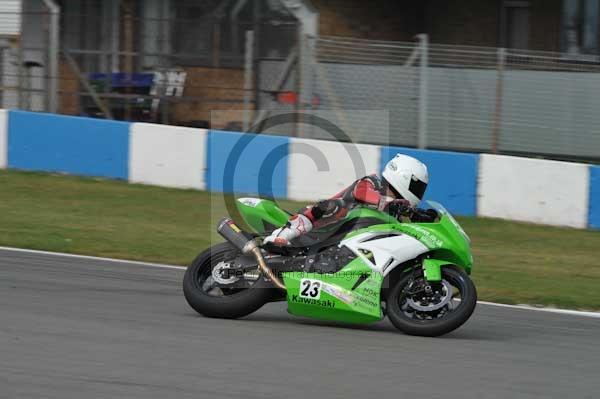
x=428 y=306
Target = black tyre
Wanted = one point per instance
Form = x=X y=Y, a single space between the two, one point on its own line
x=224 y=301
x=415 y=309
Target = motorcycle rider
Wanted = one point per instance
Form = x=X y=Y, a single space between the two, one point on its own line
x=398 y=191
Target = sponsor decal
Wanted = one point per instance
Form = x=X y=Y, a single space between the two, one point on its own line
x=252 y=202
x=458 y=227
x=365 y=301
x=234 y=227
x=310 y=294
x=339 y=293
x=427 y=237
x=310 y=301
x=370 y=291
x=348 y=297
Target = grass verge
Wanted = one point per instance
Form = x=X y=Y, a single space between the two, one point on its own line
x=514 y=262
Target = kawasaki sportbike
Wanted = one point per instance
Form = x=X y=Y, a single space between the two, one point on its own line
x=359 y=270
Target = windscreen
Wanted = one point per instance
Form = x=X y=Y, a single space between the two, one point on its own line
x=443 y=212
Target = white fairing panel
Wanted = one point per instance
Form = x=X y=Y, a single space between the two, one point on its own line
x=388 y=251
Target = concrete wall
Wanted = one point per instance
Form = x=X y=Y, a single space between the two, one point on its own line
x=55 y=143
x=167 y=156
x=452 y=177
x=247 y=163
x=532 y=190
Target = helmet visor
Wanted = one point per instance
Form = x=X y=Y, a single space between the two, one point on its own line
x=417 y=187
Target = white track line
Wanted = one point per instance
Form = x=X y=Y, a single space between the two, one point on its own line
x=64 y=255
x=158 y=265
x=548 y=310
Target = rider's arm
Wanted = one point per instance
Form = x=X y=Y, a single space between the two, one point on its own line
x=327 y=211
x=365 y=192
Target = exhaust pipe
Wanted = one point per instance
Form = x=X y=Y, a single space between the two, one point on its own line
x=228 y=230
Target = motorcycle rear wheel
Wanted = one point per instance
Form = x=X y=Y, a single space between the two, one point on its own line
x=416 y=313
x=234 y=302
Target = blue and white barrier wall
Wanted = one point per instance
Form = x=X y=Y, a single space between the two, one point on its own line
x=319 y=169
x=247 y=163
x=594 y=198
x=167 y=156
x=3 y=138
x=56 y=143
x=452 y=177
x=531 y=190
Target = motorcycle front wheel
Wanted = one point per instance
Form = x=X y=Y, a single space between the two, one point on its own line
x=431 y=309
x=212 y=291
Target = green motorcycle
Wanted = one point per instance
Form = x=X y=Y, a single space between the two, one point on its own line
x=359 y=270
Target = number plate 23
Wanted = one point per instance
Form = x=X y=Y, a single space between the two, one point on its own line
x=310 y=288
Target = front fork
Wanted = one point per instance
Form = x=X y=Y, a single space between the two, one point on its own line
x=432 y=269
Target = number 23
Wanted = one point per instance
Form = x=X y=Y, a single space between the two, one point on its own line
x=310 y=289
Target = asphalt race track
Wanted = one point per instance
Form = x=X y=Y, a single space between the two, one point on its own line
x=83 y=328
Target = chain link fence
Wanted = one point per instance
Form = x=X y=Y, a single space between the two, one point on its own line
x=25 y=70
x=448 y=97
x=178 y=61
x=162 y=61
x=514 y=101
x=352 y=74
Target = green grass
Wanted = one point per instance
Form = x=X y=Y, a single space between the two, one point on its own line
x=514 y=262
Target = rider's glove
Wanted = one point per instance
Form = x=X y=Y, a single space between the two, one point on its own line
x=424 y=216
x=399 y=207
x=295 y=227
x=384 y=201
x=329 y=208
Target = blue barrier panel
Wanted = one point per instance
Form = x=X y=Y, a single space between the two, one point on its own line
x=247 y=163
x=594 y=215
x=82 y=146
x=452 y=177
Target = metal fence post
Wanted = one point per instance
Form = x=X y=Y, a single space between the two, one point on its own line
x=309 y=66
x=53 y=50
x=423 y=89
x=248 y=72
x=501 y=56
x=298 y=82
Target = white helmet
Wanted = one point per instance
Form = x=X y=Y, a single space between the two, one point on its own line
x=407 y=177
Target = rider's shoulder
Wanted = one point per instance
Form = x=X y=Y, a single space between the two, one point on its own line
x=373 y=178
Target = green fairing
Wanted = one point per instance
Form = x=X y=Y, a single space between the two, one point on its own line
x=432 y=269
x=267 y=211
x=445 y=239
x=337 y=301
